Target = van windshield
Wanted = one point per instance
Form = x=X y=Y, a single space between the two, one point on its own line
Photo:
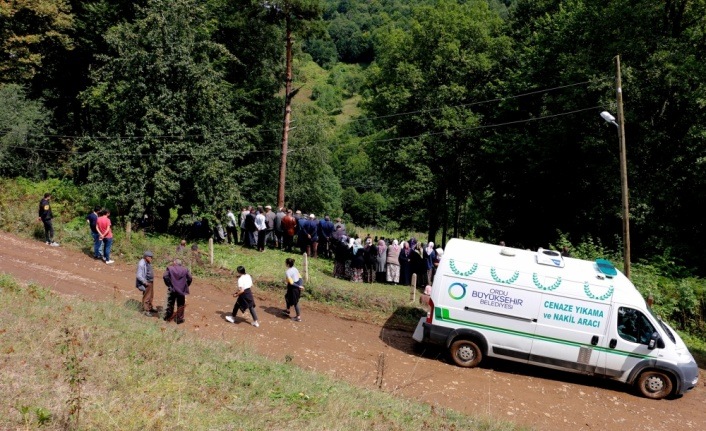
x=663 y=325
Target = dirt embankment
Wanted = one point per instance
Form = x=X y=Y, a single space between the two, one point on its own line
x=369 y=355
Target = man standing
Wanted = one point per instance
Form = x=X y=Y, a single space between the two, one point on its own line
x=270 y=225
x=231 y=227
x=289 y=228
x=45 y=216
x=261 y=225
x=91 y=219
x=278 y=227
x=178 y=279
x=325 y=232
x=303 y=238
x=251 y=229
x=243 y=236
x=312 y=231
x=105 y=234
x=144 y=281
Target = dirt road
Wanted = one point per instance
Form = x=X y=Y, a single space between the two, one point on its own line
x=370 y=356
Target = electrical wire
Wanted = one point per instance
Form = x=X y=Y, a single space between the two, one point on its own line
x=317 y=126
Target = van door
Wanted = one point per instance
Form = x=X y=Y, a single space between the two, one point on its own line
x=570 y=333
x=504 y=315
x=628 y=336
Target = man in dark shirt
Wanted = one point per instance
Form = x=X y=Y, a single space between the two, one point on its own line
x=178 y=279
x=250 y=228
x=91 y=219
x=45 y=216
x=325 y=232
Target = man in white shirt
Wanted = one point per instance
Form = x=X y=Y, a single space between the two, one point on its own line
x=261 y=225
x=231 y=227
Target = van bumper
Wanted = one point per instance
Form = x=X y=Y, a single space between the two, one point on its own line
x=689 y=374
x=430 y=333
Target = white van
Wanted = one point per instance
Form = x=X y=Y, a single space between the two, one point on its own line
x=562 y=313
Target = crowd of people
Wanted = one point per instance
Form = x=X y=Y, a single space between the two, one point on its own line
x=359 y=260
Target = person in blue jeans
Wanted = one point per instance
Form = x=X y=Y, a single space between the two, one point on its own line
x=91 y=219
x=105 y=234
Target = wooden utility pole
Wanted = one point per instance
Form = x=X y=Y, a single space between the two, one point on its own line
x=623 y=171
x=287 y=109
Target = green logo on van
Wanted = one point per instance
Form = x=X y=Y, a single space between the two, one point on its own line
x=452 y=265
x=457 y=290
x=510 y=280
x=587 y=291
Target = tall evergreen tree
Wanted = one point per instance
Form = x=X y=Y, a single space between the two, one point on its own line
x=169 y=139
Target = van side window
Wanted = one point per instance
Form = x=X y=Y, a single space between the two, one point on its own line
x=634 y=326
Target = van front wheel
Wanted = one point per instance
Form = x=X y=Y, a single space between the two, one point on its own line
x=655 y=384
x=466 y=353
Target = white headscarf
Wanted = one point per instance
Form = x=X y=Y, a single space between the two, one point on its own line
x=430 y=247
x=356 y=245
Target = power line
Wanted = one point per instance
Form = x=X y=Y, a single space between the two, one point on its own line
x=487 y=126
x=481 y=102
x=319 y=126
x=363 y=141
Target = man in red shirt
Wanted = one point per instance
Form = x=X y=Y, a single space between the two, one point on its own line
x=105 y=234
x=289 y=228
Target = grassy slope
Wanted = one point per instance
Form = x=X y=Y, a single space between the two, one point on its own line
x=134 y=374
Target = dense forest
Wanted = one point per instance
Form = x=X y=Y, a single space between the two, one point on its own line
x=474 y=118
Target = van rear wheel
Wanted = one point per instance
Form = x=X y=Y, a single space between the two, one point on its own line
x=466 y=353
x=655 y=384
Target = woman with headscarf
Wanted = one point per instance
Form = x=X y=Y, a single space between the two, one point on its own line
x=370 y=257
x=417 y=264
x=380 y=261
x=405 y=265
x=357 y=261
x=393 y=263
x=349 y=259
x=437 y=260
x=429 y=256
x=340 y=254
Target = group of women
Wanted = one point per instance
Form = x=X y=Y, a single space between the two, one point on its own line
x=385 y=262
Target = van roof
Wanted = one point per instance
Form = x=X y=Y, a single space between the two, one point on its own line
x=510 y=266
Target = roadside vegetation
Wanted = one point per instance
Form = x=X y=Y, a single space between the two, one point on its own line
x=72 y=364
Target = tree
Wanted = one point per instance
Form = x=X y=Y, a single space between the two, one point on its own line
x=24 y=124
x=561 y=44
x=167 y=135
x=420 y=90
x=31 y=33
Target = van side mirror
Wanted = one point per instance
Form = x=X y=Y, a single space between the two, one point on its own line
x=655 y=341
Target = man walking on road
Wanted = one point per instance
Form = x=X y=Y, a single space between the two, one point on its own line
x=45 y=216
x=178 y=279
x=144 y=281
x=91 y=219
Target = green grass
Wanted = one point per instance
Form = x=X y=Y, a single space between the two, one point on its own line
x=72 y=364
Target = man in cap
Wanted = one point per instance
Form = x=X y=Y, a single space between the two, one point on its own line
x=178 y=279
x=144 y=281
x=45 y=216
